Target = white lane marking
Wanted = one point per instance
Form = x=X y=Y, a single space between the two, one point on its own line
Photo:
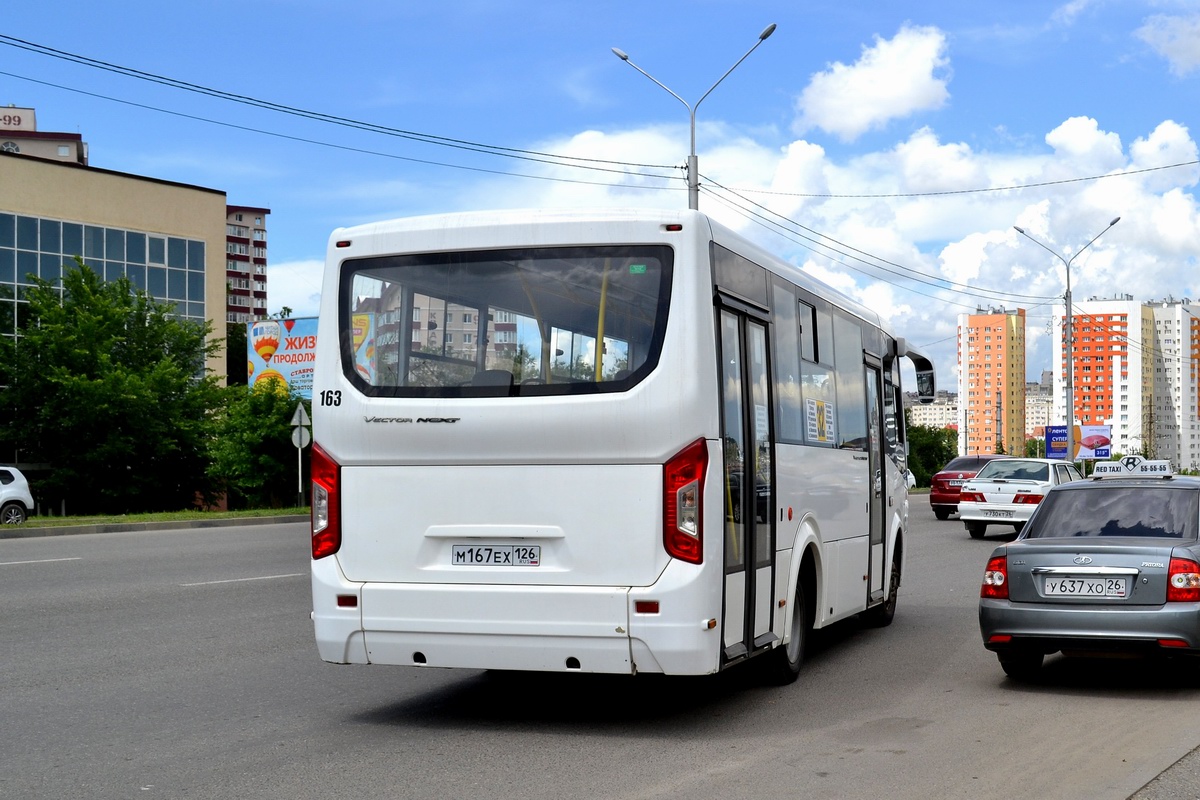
x=40 y=561
x=243 y=580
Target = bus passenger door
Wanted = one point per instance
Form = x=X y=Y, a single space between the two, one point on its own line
x=879 y=485
x=748 y=485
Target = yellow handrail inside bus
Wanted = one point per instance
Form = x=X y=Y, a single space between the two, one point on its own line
x=600 y=322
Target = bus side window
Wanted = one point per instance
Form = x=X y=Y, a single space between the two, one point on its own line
x=787 y=365
x=851 y=383
x=808 y=327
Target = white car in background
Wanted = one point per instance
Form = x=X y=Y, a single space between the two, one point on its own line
x=16 y=503
x=1008 y=490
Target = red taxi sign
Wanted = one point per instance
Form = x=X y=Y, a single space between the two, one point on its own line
x=1131 y=467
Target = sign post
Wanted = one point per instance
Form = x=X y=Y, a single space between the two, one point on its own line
x=301 y=437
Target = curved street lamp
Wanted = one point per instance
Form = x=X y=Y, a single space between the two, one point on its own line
x=1069 y=368
x=693 y=163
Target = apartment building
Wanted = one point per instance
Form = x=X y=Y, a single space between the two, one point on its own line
x=991 y=381
x=1113 y=369
x=246 y=263
x=1172 y=417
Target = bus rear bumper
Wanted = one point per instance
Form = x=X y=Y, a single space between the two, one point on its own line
x=538 y=628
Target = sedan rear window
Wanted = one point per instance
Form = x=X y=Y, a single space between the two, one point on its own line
x=1160 y=512
x=1015 y=470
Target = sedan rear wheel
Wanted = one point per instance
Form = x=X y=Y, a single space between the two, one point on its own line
x=1021 y=665
x=942 y=513
x=976 y=529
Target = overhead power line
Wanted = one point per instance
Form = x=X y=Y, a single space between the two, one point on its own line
x=445 y=141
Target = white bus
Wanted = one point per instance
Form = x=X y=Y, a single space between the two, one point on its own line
x=616 y=442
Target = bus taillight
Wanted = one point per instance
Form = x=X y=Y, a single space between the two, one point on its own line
x=326 y=504
x=683 y=488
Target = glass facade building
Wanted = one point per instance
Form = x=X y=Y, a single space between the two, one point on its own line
x=169 y=268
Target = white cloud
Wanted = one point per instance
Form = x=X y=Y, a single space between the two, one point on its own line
x=1066 y=14
x=864 y=208
x=297 y=285
x=893 y=79
x=1177 y=39
x=1079 y=143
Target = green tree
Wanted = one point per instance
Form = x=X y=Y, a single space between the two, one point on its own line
x=929 y=449
x=252 y=457
x=108 y=390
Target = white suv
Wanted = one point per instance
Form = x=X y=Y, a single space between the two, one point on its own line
x=16 y=503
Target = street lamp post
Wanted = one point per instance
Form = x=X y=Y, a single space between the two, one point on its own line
x=1069 y=367
x=693 y=163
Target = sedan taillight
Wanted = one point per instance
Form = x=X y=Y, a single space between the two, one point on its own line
x=1183 y=581
x=1027 y=499
x=970 y=497
x=995 y=579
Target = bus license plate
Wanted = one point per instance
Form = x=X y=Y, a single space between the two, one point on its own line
x=1086 y=587
x=492 y=555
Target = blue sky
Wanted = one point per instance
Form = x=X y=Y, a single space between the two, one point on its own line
x=888 y=148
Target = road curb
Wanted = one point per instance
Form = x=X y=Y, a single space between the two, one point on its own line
x=24 y=532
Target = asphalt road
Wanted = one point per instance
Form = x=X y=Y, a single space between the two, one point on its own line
x=181 y=664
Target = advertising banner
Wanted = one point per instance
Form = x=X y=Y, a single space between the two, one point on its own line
x=1091 y=442
x=1095 y=442
x=282 y=350
x=1056 y=441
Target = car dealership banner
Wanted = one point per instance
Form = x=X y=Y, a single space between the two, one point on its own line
x=282 y=350
x=1091 y=442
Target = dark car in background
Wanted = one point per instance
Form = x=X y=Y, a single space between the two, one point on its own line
x=946 y=484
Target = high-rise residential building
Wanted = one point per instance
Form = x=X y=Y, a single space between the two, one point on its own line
x=941 y=413
x=1171 y=427
x=991 y=381
x=1113 y=375
x=246 y=263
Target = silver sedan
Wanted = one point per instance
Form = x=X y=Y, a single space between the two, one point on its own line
x=1104 y=566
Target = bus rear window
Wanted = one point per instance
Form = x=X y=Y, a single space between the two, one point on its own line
x=520 y=322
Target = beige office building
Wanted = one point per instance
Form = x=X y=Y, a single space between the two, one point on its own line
x=167 y=238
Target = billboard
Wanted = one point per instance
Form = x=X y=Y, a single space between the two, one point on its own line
x=1091 y=442
x=282 y=350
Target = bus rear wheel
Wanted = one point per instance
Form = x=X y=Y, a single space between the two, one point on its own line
x=785 y=660
x=882 y=615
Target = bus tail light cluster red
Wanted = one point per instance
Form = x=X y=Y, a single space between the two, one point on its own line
x=995 y=579
x=683 y=490
x=326 y=504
